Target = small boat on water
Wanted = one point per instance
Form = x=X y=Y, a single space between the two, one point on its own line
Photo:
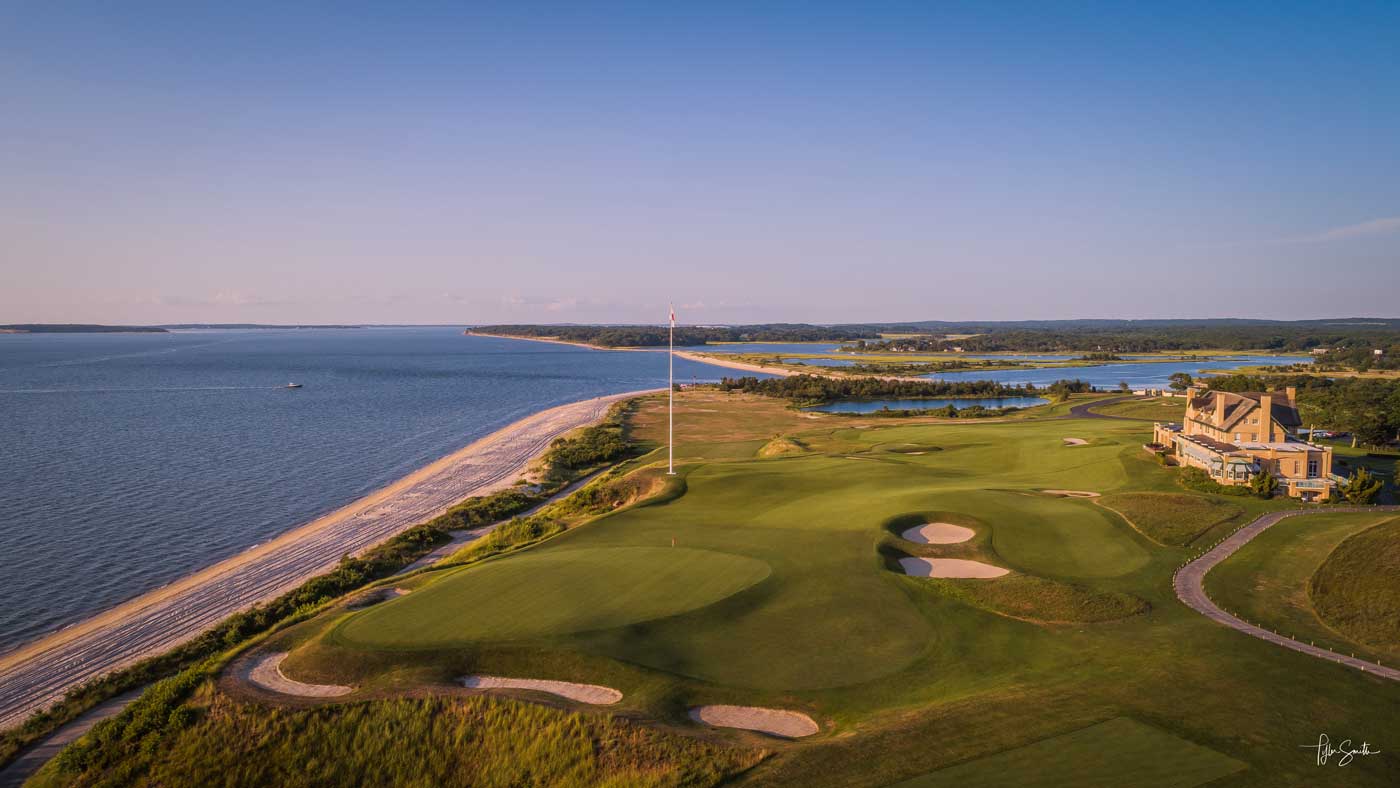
x=293 y=385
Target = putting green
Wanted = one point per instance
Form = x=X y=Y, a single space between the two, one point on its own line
x=553 y=593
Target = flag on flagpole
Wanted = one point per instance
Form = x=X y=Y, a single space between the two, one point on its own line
x=671 y=396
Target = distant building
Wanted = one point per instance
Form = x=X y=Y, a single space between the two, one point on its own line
x=1234 y=437
x=1378 y=352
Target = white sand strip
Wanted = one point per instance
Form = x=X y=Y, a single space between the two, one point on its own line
x=1074 y=441
x=938 y=533
x=774 y=722
x=1073 y=493
x=265 y=672
x=949 y=567
x=583 y=693
x=376 y=596
x=37 y=674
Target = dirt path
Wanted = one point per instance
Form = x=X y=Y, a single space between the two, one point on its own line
x=36 y=675
x=1189 y=586
x=33 y=759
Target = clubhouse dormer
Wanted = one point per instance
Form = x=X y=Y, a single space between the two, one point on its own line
x=1254 y=417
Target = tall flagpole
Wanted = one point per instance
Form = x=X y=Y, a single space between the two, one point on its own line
x=671 y=398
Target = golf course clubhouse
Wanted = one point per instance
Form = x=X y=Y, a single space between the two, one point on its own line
x=1234 y=437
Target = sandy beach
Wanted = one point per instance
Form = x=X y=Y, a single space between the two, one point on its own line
x=37 y=674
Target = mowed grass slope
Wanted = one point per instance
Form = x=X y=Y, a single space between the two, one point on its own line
x=1174 y=518
x=1357 y=589
x=906 y=677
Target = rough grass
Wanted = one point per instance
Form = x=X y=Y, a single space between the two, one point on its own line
x=1357 y=589
x=1120 y=752
x=1150 y=408
x=1172 y=518
x=419 y=742
x=1042 y=600
x=781 y=446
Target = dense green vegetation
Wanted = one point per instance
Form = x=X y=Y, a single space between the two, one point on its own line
x=1150 y=336
x=816 y=388
x=1172 y=518
x=653 y=336
x=472 y=741
x=78 y=328
x=1357 y=589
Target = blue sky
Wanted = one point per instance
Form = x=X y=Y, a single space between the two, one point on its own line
x=518 y=162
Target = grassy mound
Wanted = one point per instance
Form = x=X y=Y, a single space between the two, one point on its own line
x=1042 y=600
x=552 y=593
x=1357 y=589
x=439 y=742
x=1172 y=518
x=781 y=446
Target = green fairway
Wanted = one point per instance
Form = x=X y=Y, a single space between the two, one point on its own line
x=1120 y=752
x=1267 y=581
x=780 y=591
x=554 y=592
x=1147 y=408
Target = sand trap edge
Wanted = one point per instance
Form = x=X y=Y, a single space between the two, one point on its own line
x=1072 y=493
x=937 y=533
x=593 y=694
x=265 y=672
x=774 y=722
x=955 y=568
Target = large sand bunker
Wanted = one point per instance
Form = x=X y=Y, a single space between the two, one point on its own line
x=583 y=693
x=938 y=533
x=265 y=672
x=774 y=722
x=949 y=567
x=1073 y=493
x=1074 y=441
x=375 y=596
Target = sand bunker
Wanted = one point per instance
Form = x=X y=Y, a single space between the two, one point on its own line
x=949 y=567
x=583 y=693
x=938 y=533
x=1073 y=493
x=774 y=722
x=265 y=672
x=1074 y=441
x=375 y=596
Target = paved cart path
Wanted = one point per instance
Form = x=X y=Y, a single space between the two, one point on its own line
x=1190 y=589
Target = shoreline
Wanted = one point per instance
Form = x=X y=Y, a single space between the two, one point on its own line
x=35 y=674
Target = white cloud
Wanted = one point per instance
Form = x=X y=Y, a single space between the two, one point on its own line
x=1350 y=231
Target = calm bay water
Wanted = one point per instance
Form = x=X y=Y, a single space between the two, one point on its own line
x=132 y=459
x=1153 y=374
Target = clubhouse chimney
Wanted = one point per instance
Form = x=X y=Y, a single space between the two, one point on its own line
x=1219 y=408
x=1291 y=392
x=1266 y=416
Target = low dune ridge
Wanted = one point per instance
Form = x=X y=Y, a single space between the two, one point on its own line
x=774 y=722
x=950 y=567
x=938 y=533
x=594 y=694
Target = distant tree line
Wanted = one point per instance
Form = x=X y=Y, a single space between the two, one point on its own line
x=654 y=336
x=814 y=388
x=1358 y=342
